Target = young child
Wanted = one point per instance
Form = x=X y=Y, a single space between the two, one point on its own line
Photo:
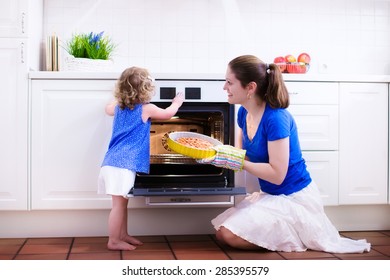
x=129 y=148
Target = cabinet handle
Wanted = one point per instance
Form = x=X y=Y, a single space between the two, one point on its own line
x=22 y=52
x=23 y=23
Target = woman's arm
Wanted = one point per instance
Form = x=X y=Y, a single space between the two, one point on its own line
x=239 y=138
x=275 y=171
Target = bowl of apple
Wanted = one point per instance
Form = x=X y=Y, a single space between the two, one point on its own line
x=292 y=65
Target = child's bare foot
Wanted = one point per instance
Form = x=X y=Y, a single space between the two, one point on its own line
x=120 y=245
x=132 y=240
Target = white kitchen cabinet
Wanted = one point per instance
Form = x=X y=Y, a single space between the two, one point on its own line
x=13 y=18
x=324 y=170
x=13 y=125
x=363 y=143
x=20 y=35
x=70 y=134
x=315 y=108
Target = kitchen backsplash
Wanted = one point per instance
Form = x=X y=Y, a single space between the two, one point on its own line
x=202 y=36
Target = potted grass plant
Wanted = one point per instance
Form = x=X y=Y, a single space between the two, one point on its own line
x=89 y=52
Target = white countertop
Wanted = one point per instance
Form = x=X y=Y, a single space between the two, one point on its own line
x=65 y=75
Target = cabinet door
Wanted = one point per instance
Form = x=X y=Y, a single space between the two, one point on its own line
x=13 y=125
x=363 y=143
x=323 y=168
x=70 y=135
x=13 y=18
x=317 y=126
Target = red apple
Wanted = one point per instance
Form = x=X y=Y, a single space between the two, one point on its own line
x=301 y=68
x=281 y=62
x=305 y=58
x=290 y=58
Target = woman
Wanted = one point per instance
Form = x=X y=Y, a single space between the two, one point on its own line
x=287 y=214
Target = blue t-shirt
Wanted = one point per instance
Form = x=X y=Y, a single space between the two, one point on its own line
x=276 y=124
x=130 y=141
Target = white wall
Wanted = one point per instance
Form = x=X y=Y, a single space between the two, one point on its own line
x=201 y=36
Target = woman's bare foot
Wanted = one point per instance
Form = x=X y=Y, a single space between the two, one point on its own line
x=120 y=245
x=132 y=240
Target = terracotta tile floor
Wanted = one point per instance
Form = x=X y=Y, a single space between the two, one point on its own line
x=174 y=247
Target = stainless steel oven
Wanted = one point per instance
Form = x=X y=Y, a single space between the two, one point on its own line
x=175 y=179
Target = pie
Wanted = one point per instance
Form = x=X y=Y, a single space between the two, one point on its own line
x=196 y=143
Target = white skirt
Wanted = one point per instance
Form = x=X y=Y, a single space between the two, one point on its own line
x=116 y=181
x=295 y=222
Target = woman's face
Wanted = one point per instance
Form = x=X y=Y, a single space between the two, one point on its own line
x=236 y=93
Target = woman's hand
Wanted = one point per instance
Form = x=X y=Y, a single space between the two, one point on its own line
x=226 y=157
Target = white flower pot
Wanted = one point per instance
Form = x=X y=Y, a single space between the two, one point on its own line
x=72 y=63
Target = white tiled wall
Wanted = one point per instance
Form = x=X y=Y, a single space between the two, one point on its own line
x=201 y=36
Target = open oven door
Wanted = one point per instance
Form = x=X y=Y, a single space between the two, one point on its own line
x=196 y=179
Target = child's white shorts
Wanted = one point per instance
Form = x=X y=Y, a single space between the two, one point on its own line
x=115 y=181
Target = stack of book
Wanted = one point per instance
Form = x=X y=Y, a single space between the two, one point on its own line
x=52 y=55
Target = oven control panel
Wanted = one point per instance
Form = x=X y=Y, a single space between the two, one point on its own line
x=194 y=90
x=190 y=93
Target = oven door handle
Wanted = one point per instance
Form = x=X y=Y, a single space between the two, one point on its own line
x=185 y=202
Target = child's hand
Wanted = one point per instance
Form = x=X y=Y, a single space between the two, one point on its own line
x=110 y=107
x=179 y=99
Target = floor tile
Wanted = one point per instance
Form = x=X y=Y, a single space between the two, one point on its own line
x=188 y=238
x=87 y=240
x=89 y=248
x=385 y=250
x=44 y=249
x=182 y=247
x=386 y=232
x=6 y=257
x=147 y=255
x=361 y=234
x=195 y=245
x=12 y=241
x=156 y=246
x=366 y=258
x=200 y=255
x=372 y=253
x=309 y=254
x=42 y=257
x=9 y=249
x=378 y=240
x=153 y=238
x=242 y=255
x=112 y=255
x=49 y=241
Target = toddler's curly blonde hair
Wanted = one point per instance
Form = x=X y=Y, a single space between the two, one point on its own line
x=134 y=86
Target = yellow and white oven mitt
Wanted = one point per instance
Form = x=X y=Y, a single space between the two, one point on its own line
x=226 y=157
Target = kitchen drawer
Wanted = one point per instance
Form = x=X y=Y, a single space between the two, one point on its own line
x=313 y=93
x=317 y=126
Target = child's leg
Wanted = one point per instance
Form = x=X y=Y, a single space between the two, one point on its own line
x=125 y=236
x=116 y=226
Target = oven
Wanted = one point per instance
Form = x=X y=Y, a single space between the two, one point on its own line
x=177 y=180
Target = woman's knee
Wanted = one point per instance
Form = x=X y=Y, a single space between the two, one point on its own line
x=228 y=237
x=225 y=235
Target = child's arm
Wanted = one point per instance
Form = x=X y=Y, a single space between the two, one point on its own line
x=110 y=107
x=152 y=111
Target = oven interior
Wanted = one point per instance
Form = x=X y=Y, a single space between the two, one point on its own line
x=175 y=174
